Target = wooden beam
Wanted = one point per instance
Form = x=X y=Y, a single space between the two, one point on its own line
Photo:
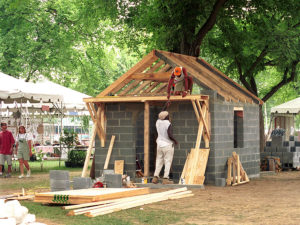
x=200 y=128
x=151 y=87
x=146 y=138
x=89 y=151
x=160 y=76
x=201 y=115
x=156 y=66
x=143 y=98
x=196 y=110
x=120 y=86
x=161 y=87
x=97 y=121
x=93 y=116
x=139 y=67
x=139 y=88
x=129 y=87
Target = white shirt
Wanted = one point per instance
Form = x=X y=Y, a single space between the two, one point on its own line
x=163 y=139
x=26 y=136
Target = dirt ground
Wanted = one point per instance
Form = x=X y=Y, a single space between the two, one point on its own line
x=272 y=199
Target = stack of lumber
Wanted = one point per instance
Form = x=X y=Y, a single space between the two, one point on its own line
x=105 y=207
x=194 y=167
x=236 y=174
x=88 y=195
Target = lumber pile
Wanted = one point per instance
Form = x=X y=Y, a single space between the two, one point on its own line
x=105 y=207
x=194 y=167
x=88 y=195
x=236 y=174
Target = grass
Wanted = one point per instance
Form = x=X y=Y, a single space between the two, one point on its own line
x=132 y=216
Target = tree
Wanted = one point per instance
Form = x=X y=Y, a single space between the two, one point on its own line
x=245 y=39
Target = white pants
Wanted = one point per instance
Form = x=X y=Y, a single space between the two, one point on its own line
x=164 y=156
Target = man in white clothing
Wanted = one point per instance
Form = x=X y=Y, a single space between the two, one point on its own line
x=165 y=147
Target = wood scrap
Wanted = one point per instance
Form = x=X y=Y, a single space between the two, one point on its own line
x=119 y=167
x=236 y=174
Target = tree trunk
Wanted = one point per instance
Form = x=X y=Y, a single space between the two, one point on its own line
x=261 y=129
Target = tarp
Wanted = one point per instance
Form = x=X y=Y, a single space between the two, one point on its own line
x=16 y=90
x=291 y=107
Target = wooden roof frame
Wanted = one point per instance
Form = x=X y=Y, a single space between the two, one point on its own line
x=150 y=75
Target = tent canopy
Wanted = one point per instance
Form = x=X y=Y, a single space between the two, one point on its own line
x=291 y=107
x=16 y=90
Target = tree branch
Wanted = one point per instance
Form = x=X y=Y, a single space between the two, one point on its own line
x=242 y=78
x=208 y=25
x=283 y=82
x=257 y=61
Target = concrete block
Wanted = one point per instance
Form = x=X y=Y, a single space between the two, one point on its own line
x=297 y=149
x=283 y=149
x=291 y=138
x=270 y=149
x=113 y=180
x=277 y=141
x=286 y=143
x=220 y=182
x=292 y=149
x=292 y=143
x=59 y=185
x=297 y=143
x=82 y=183
x=112 y=107
x=268 y=143
x=59 y=175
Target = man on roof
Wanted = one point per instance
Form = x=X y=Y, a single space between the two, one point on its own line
x=180 y=83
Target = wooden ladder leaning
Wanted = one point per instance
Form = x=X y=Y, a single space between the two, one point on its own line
x=236 y=174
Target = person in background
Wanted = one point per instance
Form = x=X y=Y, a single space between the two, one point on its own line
x=6 y=149
x=165 y=147
x=23 y=147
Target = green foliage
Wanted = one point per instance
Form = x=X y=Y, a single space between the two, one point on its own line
x=76 y=158
x=69 y=139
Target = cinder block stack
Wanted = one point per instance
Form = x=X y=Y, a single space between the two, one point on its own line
x=287 y=151
x=59 y=180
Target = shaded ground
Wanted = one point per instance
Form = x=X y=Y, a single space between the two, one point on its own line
x=272 y=199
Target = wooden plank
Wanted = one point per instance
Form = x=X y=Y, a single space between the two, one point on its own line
x=151 y=87
x=120 y=86
x=89 y=151
x=100 y=116
x=146 y=138
x=200 y=129
x=160 y=88
x=196 y=110
x=202 y=117
x=88 y=195
x=159 y=76
x=233 y=172
x=140 y=88
x=229 y=168
x=119 y=167
x=109 y=151
x=141 y=98
x=93 y=118
x=238 y=171
x=156 y=66
x=139 y=67
x=129 y=87
x=97 y=122
x=184 y=169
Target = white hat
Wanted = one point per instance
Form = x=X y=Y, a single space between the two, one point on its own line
x=162 y=115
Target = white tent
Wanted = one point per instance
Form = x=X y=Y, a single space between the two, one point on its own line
x=16 y=90
x=291 y=107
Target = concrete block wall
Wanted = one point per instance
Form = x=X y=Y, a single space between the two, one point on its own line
x=222 y=138
x=125 y=121
x=121 y=122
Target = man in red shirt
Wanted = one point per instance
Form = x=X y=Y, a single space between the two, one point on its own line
x=6 y=148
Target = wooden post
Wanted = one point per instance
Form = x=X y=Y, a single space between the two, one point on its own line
x=109 y=151
x=146 y=139
x=89 y=151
